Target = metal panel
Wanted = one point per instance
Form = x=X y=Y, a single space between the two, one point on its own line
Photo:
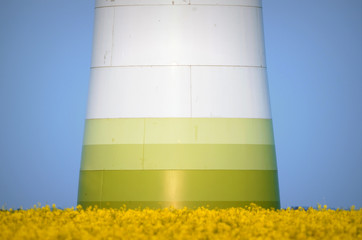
x=187 y=35
x=133 y=92
x=225 y=92
x=229 y=92
x=182 y=185
x=178 y=131
x=250 y=3
x=102 y=37
x=108 y=3
x=178 y=156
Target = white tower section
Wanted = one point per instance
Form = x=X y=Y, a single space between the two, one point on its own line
x=182 y=58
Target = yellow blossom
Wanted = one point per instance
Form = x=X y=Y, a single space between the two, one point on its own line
x=252 y=222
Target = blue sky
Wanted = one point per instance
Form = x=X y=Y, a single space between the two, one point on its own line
x=314 y=58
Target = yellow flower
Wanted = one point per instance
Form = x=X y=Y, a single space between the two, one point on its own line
x=252 y=222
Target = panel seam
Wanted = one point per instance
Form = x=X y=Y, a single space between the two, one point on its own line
x=144 y=142
x=190 y=91
x=114 y=17
x=178 y=5
x=96 y=118
x=100 y=204
x=166 y=65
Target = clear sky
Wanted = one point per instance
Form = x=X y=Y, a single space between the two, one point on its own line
x=314 y=58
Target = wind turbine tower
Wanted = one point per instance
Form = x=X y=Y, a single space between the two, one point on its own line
x=178 y=109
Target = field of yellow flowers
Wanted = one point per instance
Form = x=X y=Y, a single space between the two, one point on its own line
x=234 y=223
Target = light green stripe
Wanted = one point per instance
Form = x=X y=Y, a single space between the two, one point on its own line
x=178 y=185
x=178 y=156
x=178 y=130
x=112 y=157
x=179 y=204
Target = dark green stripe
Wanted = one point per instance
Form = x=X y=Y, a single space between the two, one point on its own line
x=179 y=186
x=189 y=204
x=178 y=156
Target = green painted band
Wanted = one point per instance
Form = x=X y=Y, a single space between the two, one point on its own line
x=179 y=186
x=178 y=130
x=178 y=156
x=188 y=204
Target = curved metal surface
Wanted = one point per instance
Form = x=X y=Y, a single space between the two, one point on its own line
x=178 y=109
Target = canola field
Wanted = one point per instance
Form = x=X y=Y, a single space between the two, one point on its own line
x=250 y=222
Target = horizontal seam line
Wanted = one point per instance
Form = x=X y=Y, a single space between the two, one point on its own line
x=182 y=170
x=163 y=5
x=107 y=118
x=181 y=65
x=106 y=144
x=178 y=201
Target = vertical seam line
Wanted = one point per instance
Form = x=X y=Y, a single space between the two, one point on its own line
x=190 y=93
x=100 y=204
x=114 y=16
x=144 y=140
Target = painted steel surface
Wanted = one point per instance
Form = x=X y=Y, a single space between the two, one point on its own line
x=178 y=35
x=164 y=92
x=178 y=108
